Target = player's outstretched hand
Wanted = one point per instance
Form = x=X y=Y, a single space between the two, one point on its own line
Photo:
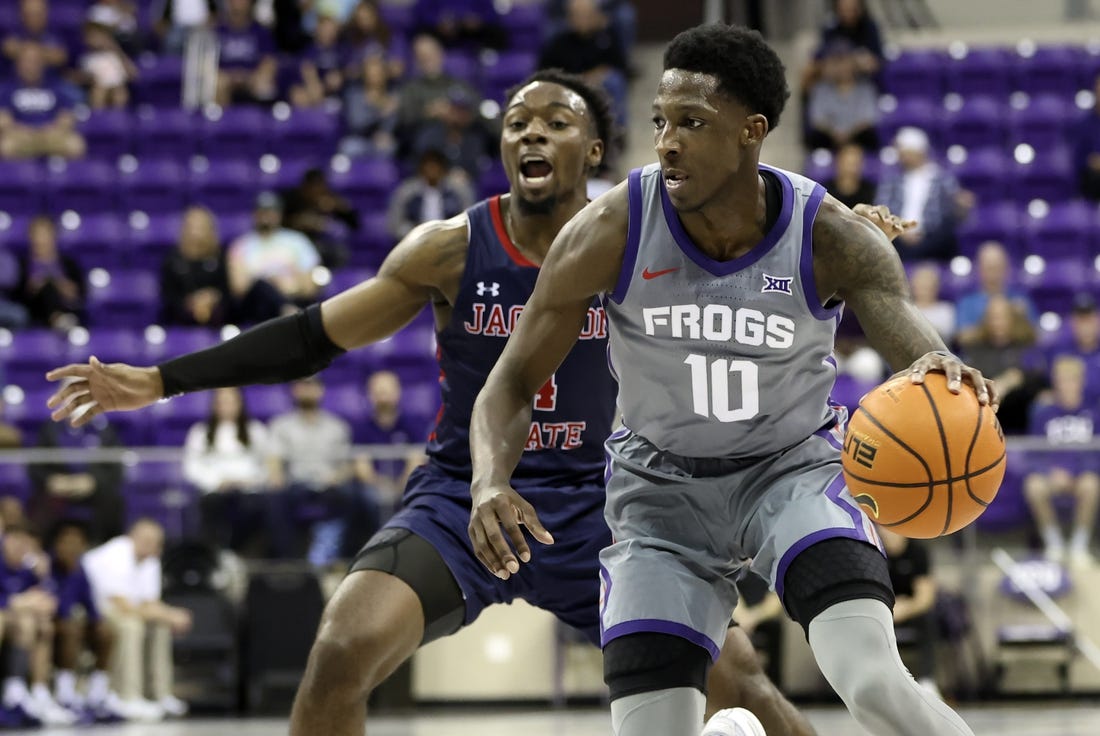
x=89 y=389
x=885 y=220
x=956 y=372
x=501 y=506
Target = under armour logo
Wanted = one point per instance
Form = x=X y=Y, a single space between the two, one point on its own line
x=781 y=285
x=493 y=290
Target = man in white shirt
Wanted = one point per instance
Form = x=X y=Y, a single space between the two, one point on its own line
x=125 y=575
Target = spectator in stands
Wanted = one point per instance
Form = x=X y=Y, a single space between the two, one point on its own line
x=179 y=18
x=914 y=608
x=79 y=625
x=34 y=18
x=225 y=457
x=125 y=576
x=843 y=106
x=852 y=23
x=11 y=436
x=13 y=315
x=622 y=14
x=1085 y=139
x=925 y=285
x=35 y=111
x=387 y=425
x=120 y=19
x=315 y=210
x=365 y=35
x=461 y=135
x=923 y=191
x=247 y=62
x=848 y=184
x=321 y=66
x=106 y=70
x=994 y=271
x=470 y=24
x=1001 y=350
x=437 y=192
x=51 y=283
x=1067 y=420
x=589 y=46
x=427 y=96
x=271 y=265
x=311 y=462
x=1083 y=340
x=194 y=287
x=370 y=110
x=28 y=627
x=90 y=492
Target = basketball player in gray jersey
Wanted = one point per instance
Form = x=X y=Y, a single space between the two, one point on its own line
x=724 y=281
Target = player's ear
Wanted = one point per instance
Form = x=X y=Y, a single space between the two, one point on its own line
x=595 y=154
x=754 y=130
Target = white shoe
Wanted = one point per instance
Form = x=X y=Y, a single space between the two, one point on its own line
x=49 y=712
x=172 y=706
x=1081 y=559
x=733 y=722
x=138 y=710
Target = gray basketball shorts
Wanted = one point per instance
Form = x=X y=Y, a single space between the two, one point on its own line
x=685 y=528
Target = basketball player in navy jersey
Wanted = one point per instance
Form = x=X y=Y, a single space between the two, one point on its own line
x=723 y=282
x=417 y=579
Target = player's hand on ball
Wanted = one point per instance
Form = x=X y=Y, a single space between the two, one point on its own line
x=881 y=217
x=497 y=507
x=89 y=389
x=956 y=372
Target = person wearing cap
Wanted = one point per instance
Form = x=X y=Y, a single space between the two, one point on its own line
x=925 y=192
x=1067 y=419
x=843 y=106
x=271 y=267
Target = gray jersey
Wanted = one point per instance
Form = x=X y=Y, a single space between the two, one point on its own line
x=721 y=359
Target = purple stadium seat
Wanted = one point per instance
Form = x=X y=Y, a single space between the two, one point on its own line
x=311 y=131
x=1043 y=123
x=177 y=341
x=918 y=112
x=998 y=221
x=14 y=481
x=116 y=344
x=366 y=180
x=149 y=245
x=983 y=71
x=171 y=419
x=1062 y=235
x=421 y=399
x=848 y=390
x=371 y=244
x=129 y=298
x=22 y=185
x=66 y=18
x=1053 y=70
x=501 y=71
x=347 y=399
x=96 y=241
x=525 y=24
x=156 y=186
x=31 y=354
x=233 y=224
x=265 y=402
x=84 y=186
x=32 y=412
x=9 y=271
x=13 y=229
x=985 y=173
x=462 y=65
x=225 y=184
x=400 y=17
x=346 y=278
x=980 y=122
x=289 y=174
x=1054 y=289
x=1050 y=176
x=1009 y=510
x=493 y=180
x=9 y=16
x=165 y=132
x=160 y=82
x=916 y=73
x=239 y=132
x=108 y=133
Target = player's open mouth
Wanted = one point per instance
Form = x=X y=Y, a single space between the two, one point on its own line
x=535 y=170
x=674 y=179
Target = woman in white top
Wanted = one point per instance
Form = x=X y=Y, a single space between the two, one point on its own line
x=224 y=457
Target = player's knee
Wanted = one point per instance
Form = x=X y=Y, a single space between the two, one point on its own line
x=1088 y=485
x=1036 y=488
x=834 y=571
x=647 y=662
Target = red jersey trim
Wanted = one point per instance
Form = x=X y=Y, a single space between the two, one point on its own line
x=502 y=235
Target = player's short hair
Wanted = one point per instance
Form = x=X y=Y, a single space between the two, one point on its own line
x=595 y=99
x=746 y=67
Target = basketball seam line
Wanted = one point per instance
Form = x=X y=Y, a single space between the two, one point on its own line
x=956 y=479
x=946 y=456
x=928 y=471
x=970 y=453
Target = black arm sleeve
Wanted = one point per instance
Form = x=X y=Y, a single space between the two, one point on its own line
x=275 y=351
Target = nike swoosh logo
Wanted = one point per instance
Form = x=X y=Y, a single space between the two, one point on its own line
x=647 y=274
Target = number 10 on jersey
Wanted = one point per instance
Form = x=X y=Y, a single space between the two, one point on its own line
x=710 y=388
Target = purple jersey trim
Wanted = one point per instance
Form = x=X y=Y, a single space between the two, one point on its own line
x=806 y=264
x=657 y=626
x=758 y=251
x=633 y=236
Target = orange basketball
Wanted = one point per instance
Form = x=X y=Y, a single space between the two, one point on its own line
x=922 y=461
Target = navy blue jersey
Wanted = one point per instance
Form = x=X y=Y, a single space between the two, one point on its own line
x=572 y=413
